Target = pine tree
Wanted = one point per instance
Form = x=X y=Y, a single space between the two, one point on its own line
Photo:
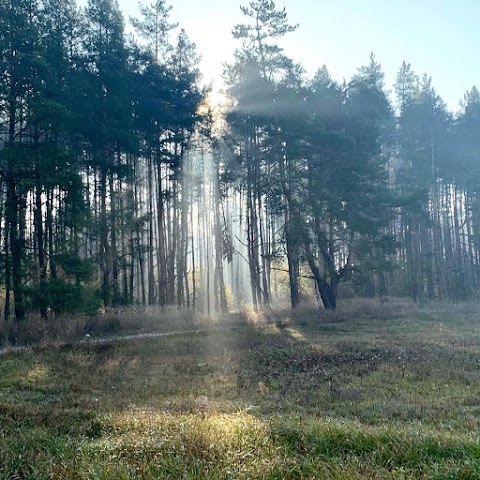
x=19 y=57
x=106 y=118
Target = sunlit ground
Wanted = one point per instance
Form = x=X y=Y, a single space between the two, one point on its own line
x=373 y=395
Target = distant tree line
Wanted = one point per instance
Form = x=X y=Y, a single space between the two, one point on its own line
x=94 y=128
x=120 y=186
x=338 y=179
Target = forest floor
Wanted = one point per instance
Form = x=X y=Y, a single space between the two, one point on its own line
x=391 y=394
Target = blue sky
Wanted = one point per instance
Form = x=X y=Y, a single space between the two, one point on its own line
x=439 y=37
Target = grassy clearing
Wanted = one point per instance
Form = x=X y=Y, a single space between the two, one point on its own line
x=382 y=394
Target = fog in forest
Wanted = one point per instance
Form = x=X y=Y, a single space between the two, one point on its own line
x=122 y=183
x=271 y=276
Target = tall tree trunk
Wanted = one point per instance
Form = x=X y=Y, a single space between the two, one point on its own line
x=113 y=245
x=38 y=220
x=151 y=223
x=104 y=241
x=161 y=236
x=219 y=274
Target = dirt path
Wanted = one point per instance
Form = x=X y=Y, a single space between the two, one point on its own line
x=101 y=340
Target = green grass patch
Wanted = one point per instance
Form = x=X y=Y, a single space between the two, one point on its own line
x=301 y=396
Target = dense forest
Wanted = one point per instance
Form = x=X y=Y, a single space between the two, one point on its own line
x=121 y=184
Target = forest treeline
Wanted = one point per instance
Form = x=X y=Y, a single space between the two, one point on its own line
x=121 y=185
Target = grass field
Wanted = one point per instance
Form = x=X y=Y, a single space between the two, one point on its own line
x=363 y=395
